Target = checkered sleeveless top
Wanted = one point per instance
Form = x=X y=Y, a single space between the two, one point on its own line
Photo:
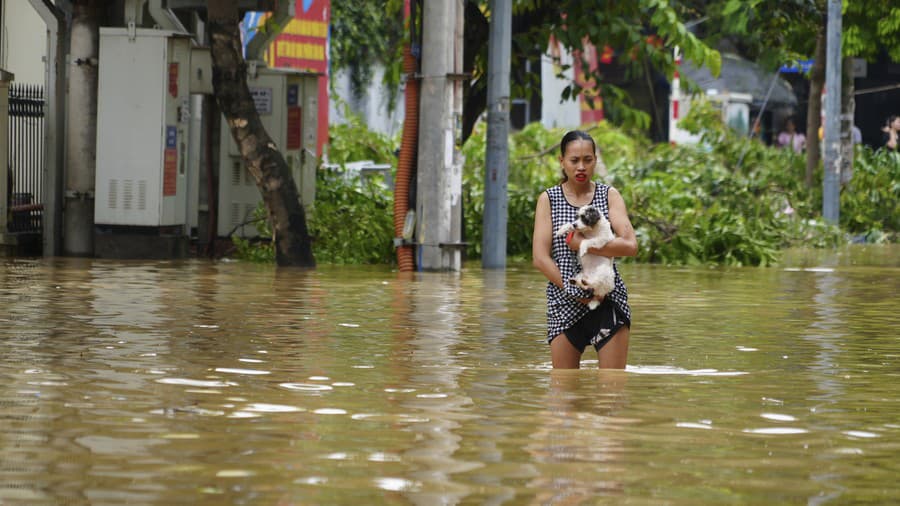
x=563 y=310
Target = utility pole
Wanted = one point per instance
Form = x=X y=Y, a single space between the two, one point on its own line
x=81 y=130
x=496 y=173
x=439 y=174
x=832 y=126
x=57 y=18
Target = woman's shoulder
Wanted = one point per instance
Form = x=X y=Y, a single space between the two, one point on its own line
x=553 y=191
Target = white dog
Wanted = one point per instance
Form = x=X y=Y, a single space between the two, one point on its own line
x=597 y=272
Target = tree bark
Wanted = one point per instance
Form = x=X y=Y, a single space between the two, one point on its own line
x=814 y=110
x=258 y=152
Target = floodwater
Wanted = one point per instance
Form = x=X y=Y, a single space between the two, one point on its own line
x=198 y=383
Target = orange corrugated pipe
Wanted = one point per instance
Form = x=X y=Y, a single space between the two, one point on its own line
x=407 y=159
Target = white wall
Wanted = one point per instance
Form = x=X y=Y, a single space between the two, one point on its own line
x=556 y=114
x=372 y=105
x=23 y=42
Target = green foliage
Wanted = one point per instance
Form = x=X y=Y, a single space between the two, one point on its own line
x=251 y=251
x=353 y=141
x=870 y=27
x=353 y=218
x=364 y=34
x=870 y=203
x=352 y=221
x=727 y=200
x=260 y=249
x=641 y=33
x=533 y=166
x=772 y=32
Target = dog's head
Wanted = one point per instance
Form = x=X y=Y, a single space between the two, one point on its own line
x=588 y=217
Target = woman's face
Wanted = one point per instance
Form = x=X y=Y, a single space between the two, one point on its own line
x=579 y=161
x=896 y=123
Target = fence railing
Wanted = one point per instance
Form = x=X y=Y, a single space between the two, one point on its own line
x=26 y=157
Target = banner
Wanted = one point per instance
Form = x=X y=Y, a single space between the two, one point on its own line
x=302 y=45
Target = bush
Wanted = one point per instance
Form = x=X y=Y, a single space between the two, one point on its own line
x=352 y=221
x=870 y=203
x=727 y=200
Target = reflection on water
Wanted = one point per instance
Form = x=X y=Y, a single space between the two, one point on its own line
x=228 y=383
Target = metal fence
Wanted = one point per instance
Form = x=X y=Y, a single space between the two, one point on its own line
x=26 y=157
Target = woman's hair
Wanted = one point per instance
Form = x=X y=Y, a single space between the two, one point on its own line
x=891 y=119
x=573 y=135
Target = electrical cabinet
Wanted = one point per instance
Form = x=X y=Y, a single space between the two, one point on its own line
x=287 y=103
x=143 y=113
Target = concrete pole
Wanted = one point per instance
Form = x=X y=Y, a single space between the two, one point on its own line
x=5 y=78
x=832 y=127
x=496 y=175
x=81 y=132
x=57 y=20
x=439 y=174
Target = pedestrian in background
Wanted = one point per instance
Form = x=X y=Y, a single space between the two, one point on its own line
x=891 y=133
x=791 y=138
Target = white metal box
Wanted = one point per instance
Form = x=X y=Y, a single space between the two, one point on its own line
x=143 y=111
x=287 y=103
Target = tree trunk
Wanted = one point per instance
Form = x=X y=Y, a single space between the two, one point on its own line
x=814 y=110
x=848 y=110
x=258 y=152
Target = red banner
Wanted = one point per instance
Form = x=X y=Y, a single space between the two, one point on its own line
x=170 y=170
x=173 y=79
x=294 y=128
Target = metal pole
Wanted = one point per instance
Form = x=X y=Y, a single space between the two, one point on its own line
x=832 y=127
x=57 y=19
x=496 y=175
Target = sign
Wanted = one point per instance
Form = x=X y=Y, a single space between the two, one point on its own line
x=170 y=162
x=801 y=66
x=262 y=99
x=294 y=128
x=173 y=79
x=302 y=45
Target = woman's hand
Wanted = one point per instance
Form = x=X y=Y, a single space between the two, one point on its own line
x=574 y=243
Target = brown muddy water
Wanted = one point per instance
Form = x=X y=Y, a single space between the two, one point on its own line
x=200 y=383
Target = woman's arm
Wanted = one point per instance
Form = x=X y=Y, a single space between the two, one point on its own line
x=625 y=243
x=542 y=242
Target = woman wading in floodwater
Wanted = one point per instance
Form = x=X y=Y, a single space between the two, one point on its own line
x=570 y=325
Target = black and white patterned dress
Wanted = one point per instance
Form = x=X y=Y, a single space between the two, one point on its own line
x=563 y=308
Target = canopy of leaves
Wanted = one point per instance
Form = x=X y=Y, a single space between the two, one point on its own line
x=365 y=34
x=773 y=32
x=641 y=34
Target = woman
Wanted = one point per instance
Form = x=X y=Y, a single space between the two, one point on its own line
x=891 y=131
x=790 y=138
x=570 y=325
